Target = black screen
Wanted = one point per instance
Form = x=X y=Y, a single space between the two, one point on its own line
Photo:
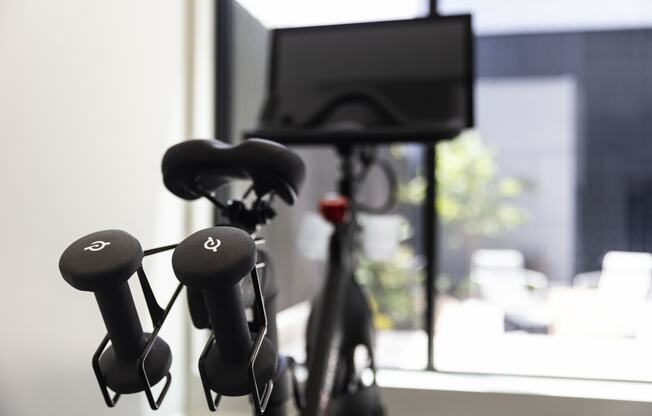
x=421 y=69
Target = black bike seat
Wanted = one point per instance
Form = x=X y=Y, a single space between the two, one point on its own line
x=271 y=167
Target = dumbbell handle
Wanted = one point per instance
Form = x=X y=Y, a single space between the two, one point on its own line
x=121 y=320
x=229 y=323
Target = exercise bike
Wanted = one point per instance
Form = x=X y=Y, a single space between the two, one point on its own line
x=240 y=357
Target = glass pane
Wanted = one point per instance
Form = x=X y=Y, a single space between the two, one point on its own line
x=291 y=13
x=392 y=264
x=545 y=211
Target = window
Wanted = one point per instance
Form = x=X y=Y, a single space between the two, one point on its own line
x=291 y=13
x=545 y=232
x=563 y=290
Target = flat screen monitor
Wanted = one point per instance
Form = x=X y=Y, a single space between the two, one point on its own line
x=396 y=74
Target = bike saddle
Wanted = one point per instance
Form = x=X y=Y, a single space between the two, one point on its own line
x=212 y=163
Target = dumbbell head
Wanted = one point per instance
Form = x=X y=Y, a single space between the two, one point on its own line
x=200 y=270
x=215 y=260
x=102 y=263
x=101 y=260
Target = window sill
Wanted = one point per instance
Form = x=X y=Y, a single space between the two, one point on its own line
x=516 y=385
x=292 y=321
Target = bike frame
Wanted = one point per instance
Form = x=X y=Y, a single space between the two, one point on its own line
x=329 y=316
x=324 y=360
x=326 y=335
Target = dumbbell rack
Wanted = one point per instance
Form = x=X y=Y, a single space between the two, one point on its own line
x=258 y=326
x=158 y=316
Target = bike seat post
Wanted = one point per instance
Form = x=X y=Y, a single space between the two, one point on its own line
x=346 y=183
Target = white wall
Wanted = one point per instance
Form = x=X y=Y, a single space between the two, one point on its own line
x=91 y=94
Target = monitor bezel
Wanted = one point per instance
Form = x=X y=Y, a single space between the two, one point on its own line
x=469 y=46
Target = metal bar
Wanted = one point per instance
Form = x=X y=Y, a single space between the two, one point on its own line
x=174 y=297
x=260 y=399
x=223 y=91
x=158 y=250
x=223 y=72
x=433 y=10
x=430 y=243
x=153 y=402
x=213 y=403
x=430 y=248
x=211 y=197
x=110 y=401
x=156 y=312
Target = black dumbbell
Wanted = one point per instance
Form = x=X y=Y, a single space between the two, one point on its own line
x=102 y=263
x=214 y=261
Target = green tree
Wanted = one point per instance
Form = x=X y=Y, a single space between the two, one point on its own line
x=472 y=202
x=393 y=286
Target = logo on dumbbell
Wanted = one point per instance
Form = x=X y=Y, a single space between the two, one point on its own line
x=97 y=245
x=212 y=244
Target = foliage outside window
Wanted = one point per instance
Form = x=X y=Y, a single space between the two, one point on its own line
x=472 y=203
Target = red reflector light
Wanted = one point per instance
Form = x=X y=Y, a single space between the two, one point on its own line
x=334 y=209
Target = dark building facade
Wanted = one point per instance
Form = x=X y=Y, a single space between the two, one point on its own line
x=613 y=72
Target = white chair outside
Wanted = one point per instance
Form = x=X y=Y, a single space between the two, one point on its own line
x=500 y=278
x=623 y=285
